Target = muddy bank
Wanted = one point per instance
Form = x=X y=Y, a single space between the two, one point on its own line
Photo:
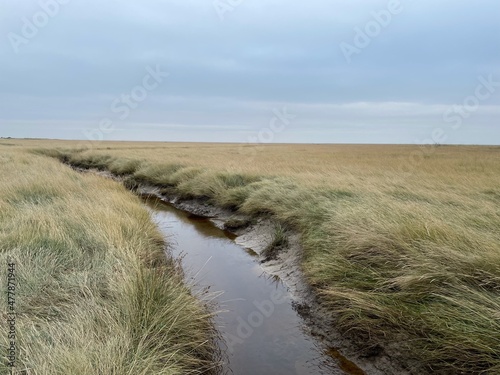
x=257 y=233
x=259 y=329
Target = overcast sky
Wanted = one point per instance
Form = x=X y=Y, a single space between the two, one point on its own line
x=334 y=71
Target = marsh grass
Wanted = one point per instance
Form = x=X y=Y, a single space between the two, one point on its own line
x=279 y=242
x=405 y=260
x=95 y=292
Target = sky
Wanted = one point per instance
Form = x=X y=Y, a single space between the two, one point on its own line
x=317 y=71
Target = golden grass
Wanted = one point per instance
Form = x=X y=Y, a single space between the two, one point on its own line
x=95 y=293
x=402 y=242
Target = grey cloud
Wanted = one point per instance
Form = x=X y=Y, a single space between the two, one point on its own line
x=264 y=54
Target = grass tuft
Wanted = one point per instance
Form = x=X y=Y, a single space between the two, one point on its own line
x=279 y=241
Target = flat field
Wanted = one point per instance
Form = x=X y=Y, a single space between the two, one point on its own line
x=402 y=243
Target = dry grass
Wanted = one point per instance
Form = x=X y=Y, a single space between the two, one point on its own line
x=403 y=243
x=95 y=293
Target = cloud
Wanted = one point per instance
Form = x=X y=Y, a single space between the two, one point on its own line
x=264 y=54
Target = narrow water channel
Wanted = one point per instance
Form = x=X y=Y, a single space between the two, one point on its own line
x=261 y=333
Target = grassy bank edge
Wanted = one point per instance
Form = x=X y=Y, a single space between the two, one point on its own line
x=95 y=291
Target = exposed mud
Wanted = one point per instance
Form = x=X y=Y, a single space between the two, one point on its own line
x=256 y=234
